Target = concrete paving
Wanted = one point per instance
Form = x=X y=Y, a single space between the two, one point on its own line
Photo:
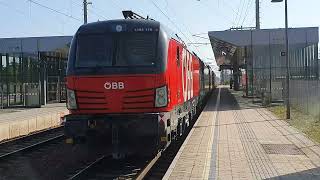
x=235 y=139
x=19 y=122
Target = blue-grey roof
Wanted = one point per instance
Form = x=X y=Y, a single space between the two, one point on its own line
x=33 y=44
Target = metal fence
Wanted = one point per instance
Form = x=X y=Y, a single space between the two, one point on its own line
x=25 y=94
x=267 y=75
x=305 y=96
x=304 y=80
x=19 y=70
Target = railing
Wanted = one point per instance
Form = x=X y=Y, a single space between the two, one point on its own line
x=305 y=96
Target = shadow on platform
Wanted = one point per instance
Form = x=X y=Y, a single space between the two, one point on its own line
x=311 y=174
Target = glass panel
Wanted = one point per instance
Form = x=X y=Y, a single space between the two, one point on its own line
x=132 y=49
x=3 y=96
x=4 y=61
x=94 y=51
x=10 y=69
x=137 y=49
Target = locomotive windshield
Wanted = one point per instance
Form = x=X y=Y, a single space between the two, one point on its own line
x=118 y=49
x=94 y=50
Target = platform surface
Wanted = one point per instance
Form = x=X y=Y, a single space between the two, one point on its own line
x=235 y=139
x=18 y=122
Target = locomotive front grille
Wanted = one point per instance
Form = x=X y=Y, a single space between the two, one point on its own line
x=139 y=99
x=131 y=100
x=91 y=100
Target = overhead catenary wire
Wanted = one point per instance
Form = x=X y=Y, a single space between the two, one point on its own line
x=195 y=35
x=97 y=14
x=238 y=12
x=226 y=2
x=26 y=14
x=94 y=10
x=184 y=26
x=54 y=10
x=196 y=43
x=252 y=21
x=249 y=5
x=242 y=5
x=235 y=13
x=173 y=23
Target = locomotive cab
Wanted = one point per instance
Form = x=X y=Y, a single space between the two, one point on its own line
x=118 y=62
x=116 y=85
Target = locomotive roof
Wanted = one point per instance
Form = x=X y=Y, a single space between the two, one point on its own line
x=104 y=26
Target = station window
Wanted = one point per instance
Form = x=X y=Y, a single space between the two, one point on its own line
x=4 y=61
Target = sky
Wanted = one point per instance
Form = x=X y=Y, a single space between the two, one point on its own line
x=25 y=18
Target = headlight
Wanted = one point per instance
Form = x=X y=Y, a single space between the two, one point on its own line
x=71 y=99
x=161 y=99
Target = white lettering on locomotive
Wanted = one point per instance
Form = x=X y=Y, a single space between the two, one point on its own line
x=187 y=80
x=190 y=70
x=120 y=85
x=184 y=89
x=114 y=85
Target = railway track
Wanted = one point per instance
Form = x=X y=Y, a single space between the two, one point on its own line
x=30 y=142
x=105 y=167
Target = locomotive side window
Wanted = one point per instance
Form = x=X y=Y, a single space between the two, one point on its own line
x=178 y=56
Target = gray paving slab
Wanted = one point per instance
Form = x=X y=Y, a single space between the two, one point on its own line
x=230 y=144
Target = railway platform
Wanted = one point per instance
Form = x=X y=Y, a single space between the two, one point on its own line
x=20 y=122
x=235 y=139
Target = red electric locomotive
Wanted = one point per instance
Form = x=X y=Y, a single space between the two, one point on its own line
x=134 y=83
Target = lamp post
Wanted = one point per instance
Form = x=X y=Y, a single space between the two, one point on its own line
x=287 y=56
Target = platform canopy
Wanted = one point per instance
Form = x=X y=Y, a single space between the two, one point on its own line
x=226 y=43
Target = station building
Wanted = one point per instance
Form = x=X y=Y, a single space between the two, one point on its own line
x=32 y=70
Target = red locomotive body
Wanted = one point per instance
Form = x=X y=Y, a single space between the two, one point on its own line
x=134 y=82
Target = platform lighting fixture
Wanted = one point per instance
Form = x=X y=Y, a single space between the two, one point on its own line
x=287 y=56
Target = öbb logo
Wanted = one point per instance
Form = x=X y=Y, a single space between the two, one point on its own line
x=114 y=85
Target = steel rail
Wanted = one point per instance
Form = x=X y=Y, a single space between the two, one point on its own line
x=87 y=168
x=141 y=173
x=145 y=170
x=30 y=146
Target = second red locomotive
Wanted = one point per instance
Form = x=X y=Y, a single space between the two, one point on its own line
x=134 y=83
